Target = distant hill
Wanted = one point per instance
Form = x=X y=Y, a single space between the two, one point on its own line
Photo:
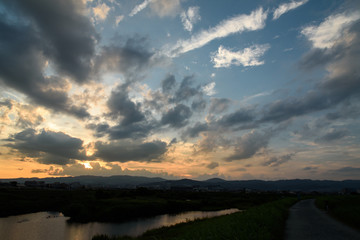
x=119 y=181
x=214 y=184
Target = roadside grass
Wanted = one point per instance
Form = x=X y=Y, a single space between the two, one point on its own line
x=265 y=222
x=345 y=208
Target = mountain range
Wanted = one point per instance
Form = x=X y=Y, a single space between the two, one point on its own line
x=214 y=184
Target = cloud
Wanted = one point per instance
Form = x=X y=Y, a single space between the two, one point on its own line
x=277 y=161
x=48 y=147
x=238 y=24
x=162 y=8
x=20 y=115
x=310 y=168
x=101 y=11
x=340 y=85
x=125 y=151
x=190 y=17
x=177 y=117
x=119 y=104
x=209 y=89
x=118 y=19
x=330 y=31
x=39 y=170
x=219 y=105
x=249 y=144
x=199 y=105
x=110 y=169
x=168 y=83
x=133 y=131
x=165 y=8
x=58 y=23
x=212 y=165
x=333 y=135
x=194 y=131
x=241 y=116
x=185 y=90
x=129 y=58
x=247 y=57
x=139 y=8
x=46 y=36
x=286 y=7
x=346 y=172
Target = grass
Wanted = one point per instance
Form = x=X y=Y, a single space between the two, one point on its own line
x=345 y=208
x=265 y=222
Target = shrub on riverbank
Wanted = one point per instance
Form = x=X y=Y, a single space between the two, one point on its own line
x=262 y=222
x=345 y=208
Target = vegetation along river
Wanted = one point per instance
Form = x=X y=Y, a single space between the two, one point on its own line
x=53 y=225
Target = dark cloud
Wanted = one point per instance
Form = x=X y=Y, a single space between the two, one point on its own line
x=48 y=147
x=310 y=168
x=129 y=58
x=219 y=105
x=130 y=151
x=68 y=37
x=340 y=86
x=333 y=135
x=134 y=131
x=198 y=105
x=277 y=161
x=194 y=131
x=249 y=144
x=168 y=83
x=100 y=129
x=28 y=43
x=119 y=104
x=212 y=165
x=241 y=116
x=186 y=90
x=177 y=117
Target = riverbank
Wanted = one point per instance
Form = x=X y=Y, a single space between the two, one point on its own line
x=266 y=221
x=122 y=205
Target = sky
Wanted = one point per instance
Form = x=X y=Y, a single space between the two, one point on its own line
x=180 y=89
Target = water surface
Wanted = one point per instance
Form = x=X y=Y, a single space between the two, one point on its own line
x=53 y=225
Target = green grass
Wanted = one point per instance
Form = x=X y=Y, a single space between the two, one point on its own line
x=263 y=222
x=344 y=208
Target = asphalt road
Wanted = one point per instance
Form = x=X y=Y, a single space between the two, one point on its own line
x=306 y=222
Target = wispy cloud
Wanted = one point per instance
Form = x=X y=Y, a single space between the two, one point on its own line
x=118 y=19
x=330 y=31
x=247 y=57
x=238 y=24
x=190 y=17
x=284 y=8
x=139 y=8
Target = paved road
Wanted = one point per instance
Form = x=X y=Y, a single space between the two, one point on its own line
x=306 y=222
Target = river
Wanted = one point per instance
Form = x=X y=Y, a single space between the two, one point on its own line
x=53 y=225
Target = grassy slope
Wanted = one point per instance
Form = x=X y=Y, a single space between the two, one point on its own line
x=344 y=208
x=262 y=222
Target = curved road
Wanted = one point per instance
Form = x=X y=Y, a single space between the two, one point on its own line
x=306 y=222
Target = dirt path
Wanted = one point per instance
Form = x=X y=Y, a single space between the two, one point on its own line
x=306 y=222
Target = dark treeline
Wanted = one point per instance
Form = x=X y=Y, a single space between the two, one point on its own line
x=104 y=205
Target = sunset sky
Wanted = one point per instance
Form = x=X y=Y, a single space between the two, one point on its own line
x=180 y=88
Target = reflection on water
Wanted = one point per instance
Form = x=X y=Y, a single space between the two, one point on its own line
x=53 y=225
